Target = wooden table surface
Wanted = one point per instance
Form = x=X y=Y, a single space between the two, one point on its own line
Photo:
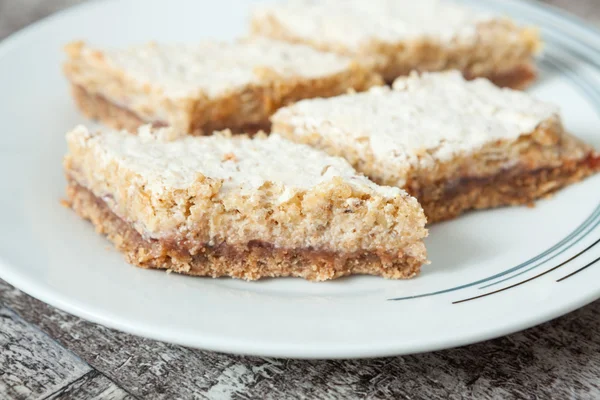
x=48 y=354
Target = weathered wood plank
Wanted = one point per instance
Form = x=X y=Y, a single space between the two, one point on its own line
x=559 y=359
x=31 y=363
x=91 y=386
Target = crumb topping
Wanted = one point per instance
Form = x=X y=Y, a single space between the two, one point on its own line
x=214 y=68
x=355 y=23
x=179 y=189
x=166 y=161
x=424 y=119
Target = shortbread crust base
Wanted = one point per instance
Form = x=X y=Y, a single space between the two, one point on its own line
x=251 y=262
x=520 y=77
x=510 y=188
x=98 y=108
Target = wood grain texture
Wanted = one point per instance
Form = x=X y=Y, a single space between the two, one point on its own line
x=48 y=354
x=31 y=363
x=91 y=386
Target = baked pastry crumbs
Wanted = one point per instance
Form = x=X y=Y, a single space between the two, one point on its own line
x=454 y=145
x=243 y=207
x=206 y=86
x=399 y=36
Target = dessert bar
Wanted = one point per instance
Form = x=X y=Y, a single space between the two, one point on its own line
x=454 y=145
x=399 y=36
x=242 y=207
x=202 y=87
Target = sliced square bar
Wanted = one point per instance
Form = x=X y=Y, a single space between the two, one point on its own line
x=240 y=207
x=454 y=145
x=207 y=86
x=399 y=36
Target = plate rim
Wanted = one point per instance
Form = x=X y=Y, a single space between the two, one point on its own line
x=62 y=302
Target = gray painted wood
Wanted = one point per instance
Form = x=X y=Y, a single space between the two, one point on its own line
x=91 y=386
x=48 y=354
x=31 y=363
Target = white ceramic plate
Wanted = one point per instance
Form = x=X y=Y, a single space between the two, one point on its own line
x=492 y=273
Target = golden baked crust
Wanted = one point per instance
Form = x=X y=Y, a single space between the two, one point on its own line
x=454 y=145
x=223 y=198
x=513 y=187
x=251 y=262
x=503 y=52
x=544 y=161
x=240 y=108
x=97 y=108
x=154 y=183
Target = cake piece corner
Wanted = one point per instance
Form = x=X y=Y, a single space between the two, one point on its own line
x=455 y=145
x=403 y=35
x=206 y=86
x=242 y=207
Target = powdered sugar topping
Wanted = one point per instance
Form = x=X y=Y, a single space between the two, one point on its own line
x=215 y=68
x=355 y=23
x=169 y=161
x=424 y=119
